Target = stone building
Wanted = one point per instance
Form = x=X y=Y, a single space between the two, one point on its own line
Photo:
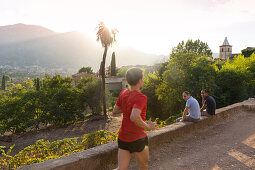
x=225 y=50
x=116 y=83
x=113 y=83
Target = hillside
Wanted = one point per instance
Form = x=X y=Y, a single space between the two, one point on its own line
x=25 y=45
x=21 y=32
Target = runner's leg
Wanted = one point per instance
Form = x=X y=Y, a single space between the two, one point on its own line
x=123 y=159
x=143 y=158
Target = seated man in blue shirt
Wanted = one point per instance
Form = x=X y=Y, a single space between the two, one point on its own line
x=208 y=103
x=192 y=107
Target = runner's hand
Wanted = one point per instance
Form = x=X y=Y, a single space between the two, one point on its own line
x=152 y=125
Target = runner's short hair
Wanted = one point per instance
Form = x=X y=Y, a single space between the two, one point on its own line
x=133 y=76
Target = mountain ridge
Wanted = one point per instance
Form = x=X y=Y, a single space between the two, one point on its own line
x=70 y=49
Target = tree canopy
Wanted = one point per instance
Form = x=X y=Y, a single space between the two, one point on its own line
x=192 y=70
x=198 y=47
x=247 y=52
x=86 y=70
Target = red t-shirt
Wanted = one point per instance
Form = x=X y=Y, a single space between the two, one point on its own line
x=128 y=100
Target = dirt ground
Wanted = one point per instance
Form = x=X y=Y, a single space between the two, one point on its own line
x=94 y=123
x=228 y=145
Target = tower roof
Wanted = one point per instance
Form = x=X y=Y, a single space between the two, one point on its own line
x=225 y=41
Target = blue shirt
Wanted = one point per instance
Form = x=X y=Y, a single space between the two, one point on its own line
x=194 y=108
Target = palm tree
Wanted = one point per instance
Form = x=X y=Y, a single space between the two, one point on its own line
x=106 y=37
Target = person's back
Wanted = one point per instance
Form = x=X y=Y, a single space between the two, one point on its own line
x=132 y=137
x=128 y=100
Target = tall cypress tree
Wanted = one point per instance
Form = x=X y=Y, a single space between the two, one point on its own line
x=3 y=83
x=37 y=84
x=113 y=65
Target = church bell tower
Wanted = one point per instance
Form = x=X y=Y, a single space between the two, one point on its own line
x=225 y=50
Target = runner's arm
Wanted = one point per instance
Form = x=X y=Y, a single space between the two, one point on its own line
x=136 y=118
x=116 y=109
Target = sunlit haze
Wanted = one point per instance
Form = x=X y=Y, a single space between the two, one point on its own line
x=151 y=26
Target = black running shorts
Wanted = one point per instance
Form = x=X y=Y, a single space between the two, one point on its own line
x=135 y=146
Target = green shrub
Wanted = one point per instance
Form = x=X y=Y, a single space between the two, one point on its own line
x=44 y=150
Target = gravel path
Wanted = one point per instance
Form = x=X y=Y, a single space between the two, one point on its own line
x=228 y=145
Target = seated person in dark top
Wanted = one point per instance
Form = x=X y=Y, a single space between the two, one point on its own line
x=208 y=103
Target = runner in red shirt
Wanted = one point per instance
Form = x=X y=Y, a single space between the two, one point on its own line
x=132 y=136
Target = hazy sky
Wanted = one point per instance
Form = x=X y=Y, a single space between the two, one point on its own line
x=152 y=26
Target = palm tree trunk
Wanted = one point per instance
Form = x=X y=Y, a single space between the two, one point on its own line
x=103 y=78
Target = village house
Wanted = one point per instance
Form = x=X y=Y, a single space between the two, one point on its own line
x=113 y=83
x=79 y=76
x=116 y=83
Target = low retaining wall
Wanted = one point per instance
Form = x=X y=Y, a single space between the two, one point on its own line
x=106 y=155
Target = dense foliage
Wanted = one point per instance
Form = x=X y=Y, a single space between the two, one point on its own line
x=86 y=70
x=53 y=100
x=247 y=52
x=191 y=69
x=197 y=47
x=44 y=150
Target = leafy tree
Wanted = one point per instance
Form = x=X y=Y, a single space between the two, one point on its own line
x=247 y=52
x=35 y=105
x=198 y=47
x=201 y=75
x=56 y=82
x=106 y=37
x=174 y=83
x=113 y=65
x=28 y=84
x=57 y=102
x=161 y=69
x=122 y=71
x=62 y=104
x=189 y=68
x=235 y=80
x=86 y=70
x=91 y=94
x=154 y=106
